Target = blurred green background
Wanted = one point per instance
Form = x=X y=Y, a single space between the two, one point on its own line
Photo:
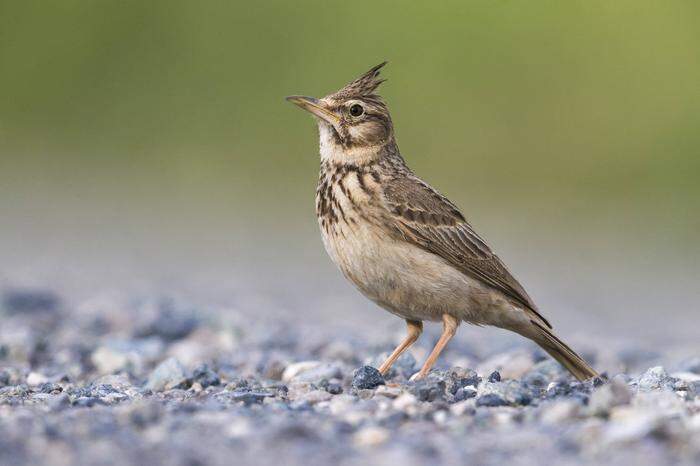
x=151 y=140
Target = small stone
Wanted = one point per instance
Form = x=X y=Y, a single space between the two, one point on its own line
x=118 y=381
x=205 y=377
x=557 y=412
x=464 y=393
x=604 y=398
x=465 y=377
x=370 y=436
x=491 y=400
x=169 y=324
x=404 y=401
x=462 y=408
x=51 y=388
x=118 y=355
x=4 y=378
x=237 y=383
x=169 y=374
x=429 y=389
x=512 y=391
x=495 y=377
x=250 y=397
x=108 y=361
x=654 y=378
x=334 y=388
x=543 y=373
x=389 y=392
x=34 y=379
x=30 y=301
x=367 y=377
x=311 y=371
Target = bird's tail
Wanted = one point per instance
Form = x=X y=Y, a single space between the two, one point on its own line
x=560 y=351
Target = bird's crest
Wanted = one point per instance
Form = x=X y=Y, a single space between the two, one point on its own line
x=364 y=86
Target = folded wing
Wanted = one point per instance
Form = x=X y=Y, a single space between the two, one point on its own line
x=426 y=218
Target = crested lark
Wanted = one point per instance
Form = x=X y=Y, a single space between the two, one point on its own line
x=404 y=245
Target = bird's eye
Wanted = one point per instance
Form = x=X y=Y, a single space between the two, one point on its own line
x=356 y=110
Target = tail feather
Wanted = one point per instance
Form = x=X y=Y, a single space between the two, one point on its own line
x=560 y=351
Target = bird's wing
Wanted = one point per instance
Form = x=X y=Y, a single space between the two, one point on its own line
x=426 y=218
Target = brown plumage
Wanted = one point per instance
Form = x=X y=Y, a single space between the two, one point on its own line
x=402 y=243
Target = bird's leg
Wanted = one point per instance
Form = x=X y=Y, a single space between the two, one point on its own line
x=449 y=328
x=415 y=328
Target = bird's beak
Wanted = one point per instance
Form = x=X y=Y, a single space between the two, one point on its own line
x=316 y=107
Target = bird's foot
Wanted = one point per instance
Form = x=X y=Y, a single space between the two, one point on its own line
x=417 y=376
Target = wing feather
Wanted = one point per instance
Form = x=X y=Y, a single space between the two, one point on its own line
x=426 y=218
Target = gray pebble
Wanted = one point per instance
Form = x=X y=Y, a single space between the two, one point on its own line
x=168 y=375
x=491 y=400
x=30 y=301
x=367 y=377
x=429 y=389
x=250 y=397
x=653 y=378
x=204 y=376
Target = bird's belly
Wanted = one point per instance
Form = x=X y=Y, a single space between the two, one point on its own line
x=404 y=279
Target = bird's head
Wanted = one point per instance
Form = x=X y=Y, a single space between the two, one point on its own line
x=354 y=122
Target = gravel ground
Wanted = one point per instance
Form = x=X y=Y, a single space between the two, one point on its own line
x=107 y=382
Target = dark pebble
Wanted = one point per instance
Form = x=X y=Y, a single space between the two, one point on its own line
x=170 y=325
x=523 y=399
x=367 y=377
x=462 y=394
x=95 y=391
x=28 y=301
x=495 y=376
x=428 y=390
x=334 y=389
x=472 y=379
x=205 y=376
x=238 y=383
x=51 y=388
x=491 y=400
x=4 y=378
x=536 y=379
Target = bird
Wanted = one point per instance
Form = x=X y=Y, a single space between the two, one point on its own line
x=404 y=245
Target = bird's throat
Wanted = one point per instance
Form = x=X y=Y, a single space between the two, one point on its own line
x=334 y=151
